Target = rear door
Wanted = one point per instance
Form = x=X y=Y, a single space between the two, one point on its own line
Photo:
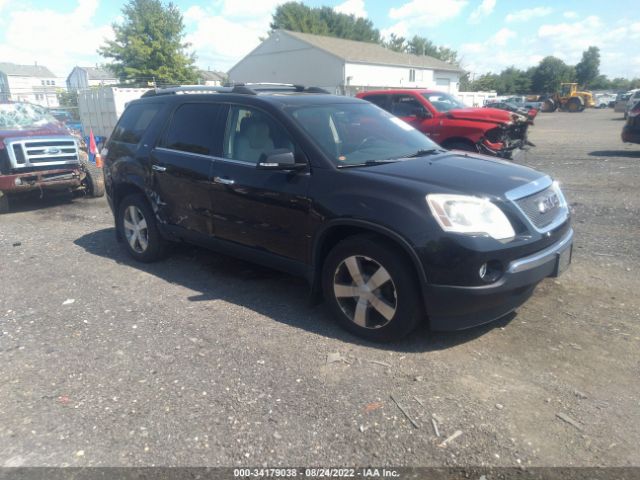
x=182 y=162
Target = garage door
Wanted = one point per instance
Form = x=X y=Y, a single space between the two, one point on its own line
x=443 y=84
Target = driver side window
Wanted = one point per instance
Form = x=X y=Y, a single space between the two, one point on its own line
x=251 y=135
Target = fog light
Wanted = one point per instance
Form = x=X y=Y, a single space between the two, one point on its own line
x=483 y=271
x=490 y=271
x=18 y=181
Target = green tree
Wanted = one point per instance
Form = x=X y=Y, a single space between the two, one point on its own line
x=550 y=73
x=588 y=69
x=418 y=45
x=149 y=45
x=396 y=43
x=68 y=99
x=513 y=81
x=297 y=17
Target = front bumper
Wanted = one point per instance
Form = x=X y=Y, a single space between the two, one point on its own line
x=43 y=179
x=456 y=307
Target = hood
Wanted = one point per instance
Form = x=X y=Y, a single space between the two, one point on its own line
x=493 y=115
x=40 y=131
x=463 y=173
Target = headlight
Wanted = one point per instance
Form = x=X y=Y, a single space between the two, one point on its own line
x=466 y=214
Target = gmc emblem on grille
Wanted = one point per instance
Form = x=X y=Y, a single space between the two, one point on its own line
x=548 y=203
x=51 y=151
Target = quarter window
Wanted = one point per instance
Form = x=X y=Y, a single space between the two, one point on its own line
x=134 y=122
x=193 y=129
x=251 y=135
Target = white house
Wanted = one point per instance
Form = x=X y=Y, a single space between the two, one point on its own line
x=29 y=83
x=341 y=66
x=212 y=78
x=81 y=78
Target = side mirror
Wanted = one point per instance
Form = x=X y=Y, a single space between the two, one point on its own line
x=280 y=159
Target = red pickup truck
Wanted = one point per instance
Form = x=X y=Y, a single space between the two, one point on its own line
x=447 y=121
x=39 y=153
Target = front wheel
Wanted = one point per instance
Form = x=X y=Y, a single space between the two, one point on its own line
x=137 y=224
x=371 y=288
x=93 y=180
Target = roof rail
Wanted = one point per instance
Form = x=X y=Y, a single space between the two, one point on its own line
x=186 y=89
x=255 y=88
x=240 y=88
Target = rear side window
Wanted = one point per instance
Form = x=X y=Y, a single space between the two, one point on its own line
x=134 y=121
x=193 y=129
x=380 y=100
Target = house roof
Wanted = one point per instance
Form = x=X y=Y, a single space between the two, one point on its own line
x=99 y=73
x=25 y=70
x=365 y=52
x=212 y=75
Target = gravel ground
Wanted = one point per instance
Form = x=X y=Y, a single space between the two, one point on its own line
x=206 y=360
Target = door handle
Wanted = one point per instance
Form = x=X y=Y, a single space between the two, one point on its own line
x=224 y=181
x=158 y=168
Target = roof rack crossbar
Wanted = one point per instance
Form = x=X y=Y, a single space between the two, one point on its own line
x=240 y=88
x=186 y=89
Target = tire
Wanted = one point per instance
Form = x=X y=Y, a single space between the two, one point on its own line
x=138 y=226
x=94 y=179
x=548 y=106
x=574 y=105
x=466 y=147
x=389 y=311
x=4 y=203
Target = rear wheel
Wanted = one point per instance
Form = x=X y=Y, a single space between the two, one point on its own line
x=548 y=106
x=137 y=223
x=371 y=288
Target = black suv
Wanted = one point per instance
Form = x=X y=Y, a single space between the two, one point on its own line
x=385 y=224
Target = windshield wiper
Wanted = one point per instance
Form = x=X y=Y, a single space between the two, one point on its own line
x=424 y=153
x=368 y=163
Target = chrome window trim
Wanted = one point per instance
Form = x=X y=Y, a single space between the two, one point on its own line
x=182 y=152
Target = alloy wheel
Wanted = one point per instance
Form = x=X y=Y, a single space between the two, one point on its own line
x=135 y=229
x=365 y=292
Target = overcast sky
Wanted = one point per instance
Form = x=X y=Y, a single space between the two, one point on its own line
x=489 y=34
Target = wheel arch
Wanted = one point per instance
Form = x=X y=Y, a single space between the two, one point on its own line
x=122 y=190
x=453 y=140
x=337 y=230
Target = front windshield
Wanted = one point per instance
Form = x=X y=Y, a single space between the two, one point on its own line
x=443 y=102
x=356 y=133
x=20 y=116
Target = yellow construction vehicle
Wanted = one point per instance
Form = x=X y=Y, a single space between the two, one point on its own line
x=569 y=99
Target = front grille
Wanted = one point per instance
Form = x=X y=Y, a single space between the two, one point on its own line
x=543 y=208
x=42 y=151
